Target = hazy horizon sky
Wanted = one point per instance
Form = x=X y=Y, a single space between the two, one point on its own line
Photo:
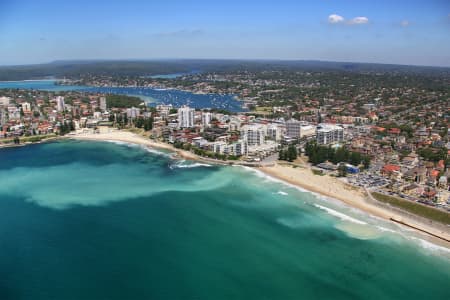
x=383 y=31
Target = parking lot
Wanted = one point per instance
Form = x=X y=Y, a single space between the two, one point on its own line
x=368 y=180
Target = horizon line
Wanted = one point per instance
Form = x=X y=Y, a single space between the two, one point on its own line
x=219 y=59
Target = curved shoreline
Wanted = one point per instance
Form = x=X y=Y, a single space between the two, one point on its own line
x=303 y=178
x=327 y=186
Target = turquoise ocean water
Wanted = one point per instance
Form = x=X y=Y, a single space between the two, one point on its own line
x=92 y=220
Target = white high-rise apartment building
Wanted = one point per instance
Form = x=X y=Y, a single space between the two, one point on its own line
x=255 y=134
x=206 y=118
x=274 y=132
x=329 y=133
x=186 y=117
x=60 y=103
x=103 y=106
x=299 y=129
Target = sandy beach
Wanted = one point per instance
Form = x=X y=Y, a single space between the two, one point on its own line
x=302 y=177
x=129 y=137
x=352 y=196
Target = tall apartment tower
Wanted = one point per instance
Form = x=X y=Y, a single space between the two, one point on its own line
x=186 y=117
x=60 y=103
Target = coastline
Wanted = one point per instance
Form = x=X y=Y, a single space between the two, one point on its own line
x=333 y=188
x=303 y=178
x=129 y=137
x=23 y=144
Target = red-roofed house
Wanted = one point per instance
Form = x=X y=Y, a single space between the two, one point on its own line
x=429 y=193
x=434 y=173
x=391 y=171
x=379 y=129
x=394 y=131
x=391 y=168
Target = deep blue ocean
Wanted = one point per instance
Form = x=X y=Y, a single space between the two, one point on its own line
x=98 y=220
x=151 y=95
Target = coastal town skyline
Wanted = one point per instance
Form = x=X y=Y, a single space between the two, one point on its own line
x=393 y=32
x=224 y=150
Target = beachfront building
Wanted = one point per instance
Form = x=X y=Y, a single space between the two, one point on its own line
x=329 y=134
x=186 y=117
x=274 y=132
x=254 y=134
x=263 y=150
x=238 y=148
x=218 y=147
x=60 y=103
x=299 y=129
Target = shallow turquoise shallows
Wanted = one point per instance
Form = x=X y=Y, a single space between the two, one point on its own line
x=86 y=220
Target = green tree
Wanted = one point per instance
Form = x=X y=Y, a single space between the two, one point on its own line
x=148 y=124
x=291 y=153
x=282 y=155
x=342 y=170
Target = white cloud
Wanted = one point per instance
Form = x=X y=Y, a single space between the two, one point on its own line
x=337 y=19
x=358 y=20
x=334 y=19
x=404 y=23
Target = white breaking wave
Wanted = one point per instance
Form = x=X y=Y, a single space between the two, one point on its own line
x=430 y=246
x=282 y=193
x=401 y=231
x=341 y=216
x=157 y=152
x=122 y=143
x=146 y=148
x=276 y=180
x=386 y=229
x=188 y=166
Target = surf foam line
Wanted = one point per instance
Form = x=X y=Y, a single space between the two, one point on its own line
x=188 y=166
x=144 y=147
x=401 y=231
x=339 y=215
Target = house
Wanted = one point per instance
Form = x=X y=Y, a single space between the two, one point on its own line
x=391 y=171
x=395 y=131
x=389 y=168
x=443 y=182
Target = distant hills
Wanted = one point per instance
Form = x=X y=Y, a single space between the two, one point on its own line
x=76 y=68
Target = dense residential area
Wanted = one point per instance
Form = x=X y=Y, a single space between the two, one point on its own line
x=385 y=132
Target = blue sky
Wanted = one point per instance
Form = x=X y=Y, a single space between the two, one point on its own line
x=384 y=31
